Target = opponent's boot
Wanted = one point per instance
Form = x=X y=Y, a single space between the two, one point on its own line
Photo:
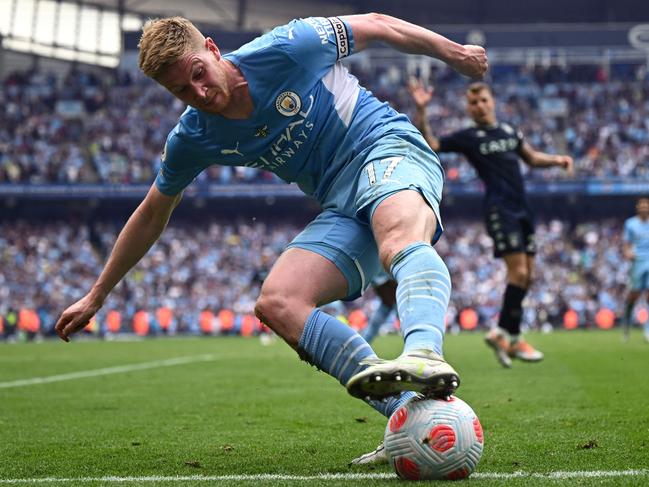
x=499 y=343
x=525 y=352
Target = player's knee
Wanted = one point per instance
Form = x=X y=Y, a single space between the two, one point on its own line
x=389 y=249
x=277 y=311
x=519 y=276
x=528 y=281
x=270 y=308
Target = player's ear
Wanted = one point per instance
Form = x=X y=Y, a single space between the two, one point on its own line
x=211 y=46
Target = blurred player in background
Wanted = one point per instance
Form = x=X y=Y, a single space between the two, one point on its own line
x=494 y=149
x=285 y=103
x=385 y=288
x=636 y=249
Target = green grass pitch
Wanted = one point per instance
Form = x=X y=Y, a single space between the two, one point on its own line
x=257 y=409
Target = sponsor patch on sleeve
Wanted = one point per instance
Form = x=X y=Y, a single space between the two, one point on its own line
x=341 y=35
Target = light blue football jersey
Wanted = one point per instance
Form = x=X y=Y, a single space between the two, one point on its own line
x=310 y=118
x=636 y=233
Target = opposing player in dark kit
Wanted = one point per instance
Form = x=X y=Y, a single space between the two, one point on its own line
x=494 y=149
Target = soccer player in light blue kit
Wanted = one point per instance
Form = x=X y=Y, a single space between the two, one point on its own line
x=636 y=249
x=285 y=103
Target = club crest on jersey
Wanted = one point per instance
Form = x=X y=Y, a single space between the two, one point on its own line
x=288 y=103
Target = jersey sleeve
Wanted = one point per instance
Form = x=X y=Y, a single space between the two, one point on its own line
x=451 y=143
x=317 y=43
x=521 y=141
x=178 y=166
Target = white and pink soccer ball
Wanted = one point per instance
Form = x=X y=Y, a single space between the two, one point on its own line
x=434 y=439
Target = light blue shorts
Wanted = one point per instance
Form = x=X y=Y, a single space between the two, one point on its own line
x=348 y=243
x=342 y=232
x=640 y=275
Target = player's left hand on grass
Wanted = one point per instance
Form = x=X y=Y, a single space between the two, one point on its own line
x=76 y=317
x=472 y=62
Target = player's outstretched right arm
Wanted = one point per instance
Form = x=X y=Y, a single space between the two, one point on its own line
x=422 y=96
x=468 y=60
x=138 y=235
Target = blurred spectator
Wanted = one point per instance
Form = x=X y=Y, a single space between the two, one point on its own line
x=216 y=269
x=112 y=130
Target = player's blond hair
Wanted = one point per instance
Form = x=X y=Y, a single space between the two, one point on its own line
x=165 y=41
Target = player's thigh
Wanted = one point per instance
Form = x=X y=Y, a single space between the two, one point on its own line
x=399 y=191
x=531 y=266
x=305 y=276
x=396 y=163
x=348 y=244
x=518 y=268
x=401 y=219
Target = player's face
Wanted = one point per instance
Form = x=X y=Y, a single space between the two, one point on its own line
x=481 y=107
x=643 y=208
x=199 y=79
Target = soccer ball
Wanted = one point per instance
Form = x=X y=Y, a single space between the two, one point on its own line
x=431 y=439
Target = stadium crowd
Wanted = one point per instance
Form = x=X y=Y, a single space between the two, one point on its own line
x=204 y=275
x=111 y=129
x=86 y=129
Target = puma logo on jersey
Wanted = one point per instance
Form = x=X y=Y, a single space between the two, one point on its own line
x=226 y=152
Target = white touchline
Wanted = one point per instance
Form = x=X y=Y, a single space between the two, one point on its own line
x=106 y=371
x=327 y=476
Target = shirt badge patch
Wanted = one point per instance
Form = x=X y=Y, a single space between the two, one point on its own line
x=288 y=103
x=262 y=131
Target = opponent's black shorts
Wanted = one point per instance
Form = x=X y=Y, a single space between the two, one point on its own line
x=511 y=230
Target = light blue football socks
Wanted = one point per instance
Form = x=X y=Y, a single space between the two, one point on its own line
x=423 y=293
x=338 y=350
